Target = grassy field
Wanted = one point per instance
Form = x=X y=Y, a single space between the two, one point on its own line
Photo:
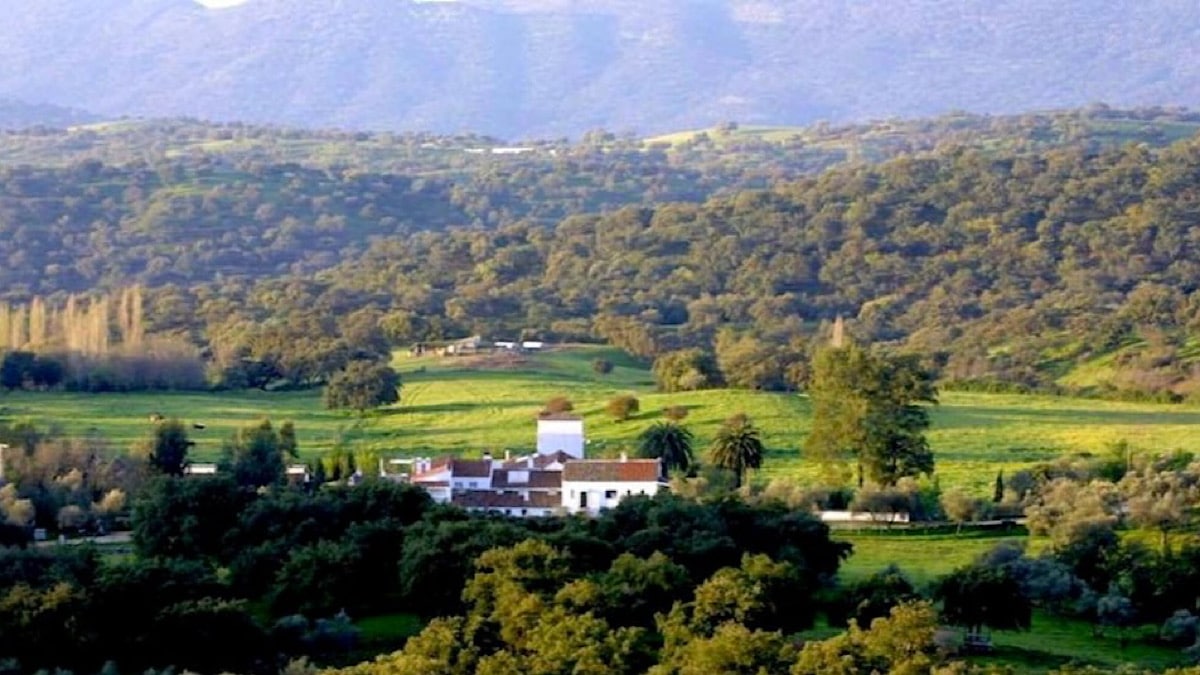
x=1050 y=643
x=470 y=405
x=922 y=557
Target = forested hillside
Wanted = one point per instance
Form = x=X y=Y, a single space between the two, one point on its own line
x=986 y=260
x=516 y=68
x=1044 y=251
x=185 y=202
x=21 y=115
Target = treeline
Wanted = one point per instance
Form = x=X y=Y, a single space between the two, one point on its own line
x=310 y=559
x=95 y=343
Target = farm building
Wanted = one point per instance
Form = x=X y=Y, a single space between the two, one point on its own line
x=557 y=479
x=466 y=346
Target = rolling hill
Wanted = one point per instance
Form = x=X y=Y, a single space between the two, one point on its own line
x=520 y=68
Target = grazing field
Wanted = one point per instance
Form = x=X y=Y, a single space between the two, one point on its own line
x=922 y=557
x=472 y=404
x=1050 y=643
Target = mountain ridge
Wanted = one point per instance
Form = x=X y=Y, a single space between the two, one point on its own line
x=522 y=68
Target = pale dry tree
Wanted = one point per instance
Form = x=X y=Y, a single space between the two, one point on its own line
x=16 y=328
x=5 y=322
x=37 y=322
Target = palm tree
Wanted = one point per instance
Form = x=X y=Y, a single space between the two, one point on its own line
x=737 y=447
x=670 y=442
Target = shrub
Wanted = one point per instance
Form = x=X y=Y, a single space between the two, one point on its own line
x=675 y=413
x=602 y=366
x=558 y=404
x=622 y=407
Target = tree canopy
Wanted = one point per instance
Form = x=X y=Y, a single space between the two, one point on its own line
x=866 y=405
x=362 y=385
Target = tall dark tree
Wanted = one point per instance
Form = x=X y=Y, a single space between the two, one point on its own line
x=287 y=440
x=868 y=406
x=737 y=447
x=254 y=456
x=362 y=385
x=670 y=442
x=979 y=597
x=169 y=446
x=16 y=368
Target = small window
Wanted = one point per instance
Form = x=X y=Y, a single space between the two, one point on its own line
x=583 y=500
x=472 y=484
x=610 y=494
x=523 y=512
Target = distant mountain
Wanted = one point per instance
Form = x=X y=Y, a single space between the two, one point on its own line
x=20 y=115
x=517 y=68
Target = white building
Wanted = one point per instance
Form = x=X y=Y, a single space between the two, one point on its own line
x=553 y=481
x=590 y=486
x=560 y=432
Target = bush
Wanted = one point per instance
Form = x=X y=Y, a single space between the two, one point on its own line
x=675 y=413
x=602 y=366
x=558 y=404
x=622 y=407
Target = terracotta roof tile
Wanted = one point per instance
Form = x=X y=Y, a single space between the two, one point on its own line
x=613 y=470
x=486 y=499
x=540 y=461
x=471 y=468
x=545 y=500
x=543 y=480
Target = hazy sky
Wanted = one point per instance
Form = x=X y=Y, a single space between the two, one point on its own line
x=220 y=3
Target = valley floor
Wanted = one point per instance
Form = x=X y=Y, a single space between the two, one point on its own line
x=476 y=404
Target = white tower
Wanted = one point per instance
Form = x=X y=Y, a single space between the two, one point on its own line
x=560 y=432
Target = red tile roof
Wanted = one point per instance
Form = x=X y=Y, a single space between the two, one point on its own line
x=613 y=470
x=487 y=499
x=435 y=466
x=540 y=461
x=471 y=468
x=538 y=480
x=545 y=500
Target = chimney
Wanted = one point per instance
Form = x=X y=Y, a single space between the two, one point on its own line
x=507 y=455
x=624 y=456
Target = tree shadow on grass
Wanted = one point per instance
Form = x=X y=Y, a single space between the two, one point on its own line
x=459 y=406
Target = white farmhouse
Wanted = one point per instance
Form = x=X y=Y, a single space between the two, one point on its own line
x=591 y=486
x=556 y=480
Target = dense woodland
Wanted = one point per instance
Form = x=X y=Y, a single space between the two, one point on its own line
x=1005 y=251
x=243 y=572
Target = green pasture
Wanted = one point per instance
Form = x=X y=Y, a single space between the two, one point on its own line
x=471 y=405
x=1050 y=643
x=922 y=557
